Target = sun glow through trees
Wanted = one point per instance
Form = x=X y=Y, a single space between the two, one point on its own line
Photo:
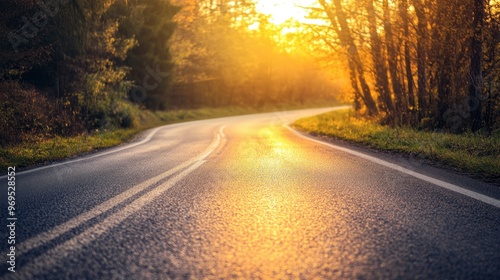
x=283 y=10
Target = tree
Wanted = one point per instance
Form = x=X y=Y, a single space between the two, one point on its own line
x=442 y=48
x=338 y=20
x=408 y=72
x=90 y=54
x=401 y=106
x=476 y=65
x=491 y=69
x=83 y=78
x=151 y=24
x=379 y=66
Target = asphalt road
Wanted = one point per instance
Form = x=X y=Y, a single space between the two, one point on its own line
x=246 y=197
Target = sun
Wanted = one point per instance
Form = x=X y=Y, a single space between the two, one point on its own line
x=283 y=10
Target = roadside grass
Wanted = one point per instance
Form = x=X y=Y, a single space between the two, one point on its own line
x=33 y=153
x=476 y=155
x=174 y=116
x=28 y=154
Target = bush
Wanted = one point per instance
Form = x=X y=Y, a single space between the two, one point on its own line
x=24 y=114
x=127 y=115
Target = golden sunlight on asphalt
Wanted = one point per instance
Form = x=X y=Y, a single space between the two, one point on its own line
x=265 y=204
x=268 y=217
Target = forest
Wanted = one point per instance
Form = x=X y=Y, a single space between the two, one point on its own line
x=72 y=67
x=421 y=63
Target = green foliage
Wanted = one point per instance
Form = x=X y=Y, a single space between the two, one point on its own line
x=472 y=153
x=67 y=74
x=96 y=82
x=127 y=115
x=103 y=96
x=150 y=24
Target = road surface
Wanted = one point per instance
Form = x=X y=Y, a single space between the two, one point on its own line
x=246 y=197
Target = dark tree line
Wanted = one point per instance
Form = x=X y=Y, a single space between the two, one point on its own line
x=70 y=66
x=432 y=64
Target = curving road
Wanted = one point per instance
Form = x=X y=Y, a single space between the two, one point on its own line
x=247 y=197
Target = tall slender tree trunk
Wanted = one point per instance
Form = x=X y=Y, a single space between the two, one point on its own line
x=421 y=58
x=444 y=90
x=403 y=11
x=352 y=66
x=355 y=87
x=491 y=91
x=378 y=57
x=392 y=55
x=476 y=75
x=344 y=34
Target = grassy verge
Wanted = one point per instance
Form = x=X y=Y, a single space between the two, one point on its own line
x=473 y=154
x=28 y=154
x=50 y=150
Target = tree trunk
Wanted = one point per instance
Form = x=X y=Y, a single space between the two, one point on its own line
x=476 y=75
x=344 y=34
x=355 y=87
x=491 y=92
x=421 y=58
x=392 y=55
x=378 y=57
x=403 y=9
x=444 y=74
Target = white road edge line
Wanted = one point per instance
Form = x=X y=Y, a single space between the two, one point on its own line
x=145 y=140
x=483 y=198
x=61 y=229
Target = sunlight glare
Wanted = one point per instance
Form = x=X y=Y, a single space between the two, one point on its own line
x=282 y=10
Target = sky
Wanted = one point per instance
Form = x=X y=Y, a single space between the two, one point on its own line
x=282 y=10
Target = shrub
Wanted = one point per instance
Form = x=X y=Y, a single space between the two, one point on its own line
x=25 y=114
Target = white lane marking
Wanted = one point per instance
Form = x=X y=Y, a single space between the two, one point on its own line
x=61 y=229
x=446 y=185
x=57 y=254
x=145 y=140
x=221 y=131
